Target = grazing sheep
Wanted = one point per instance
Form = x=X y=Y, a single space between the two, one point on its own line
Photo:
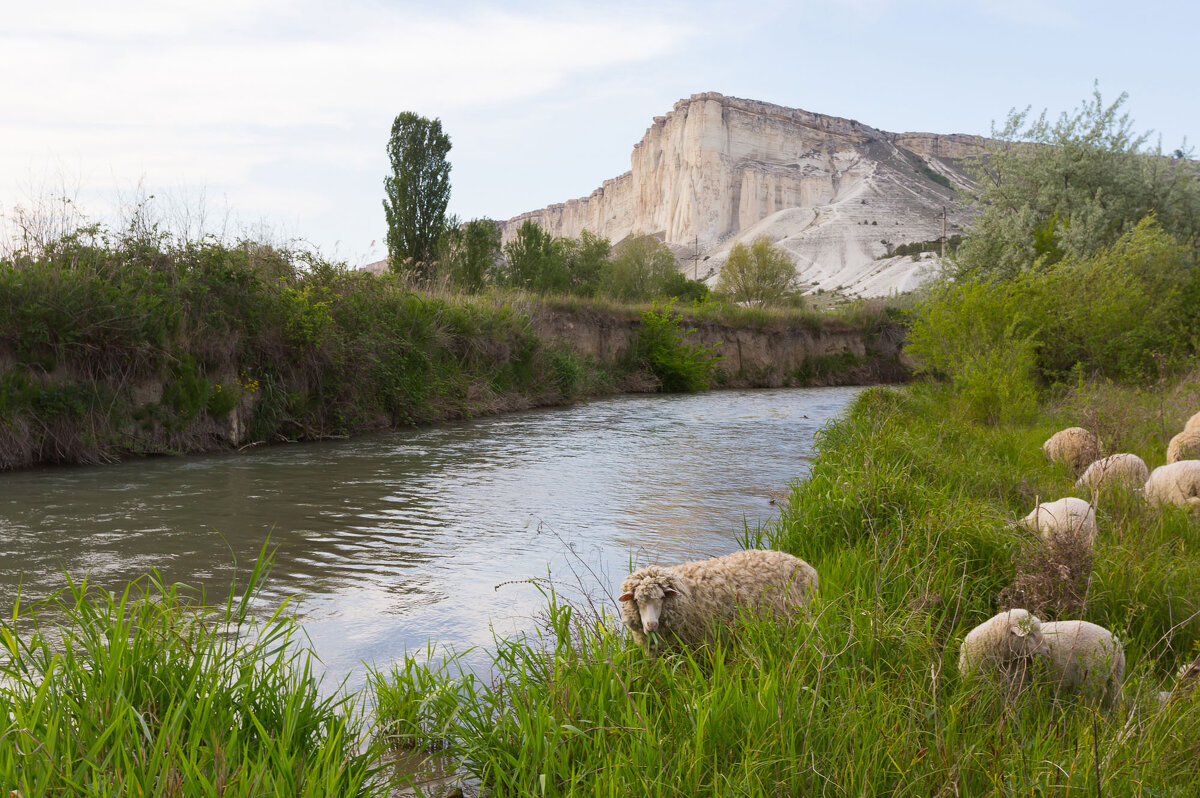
x=1116 y=469
x=1003 y=645
x=1074 y=446
x=1063 y=518
x=1085 y=657
x=1175 y=483
x=1184 y=446
x=1193 y=422
x=688 y=602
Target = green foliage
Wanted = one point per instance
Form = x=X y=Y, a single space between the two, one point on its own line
x=1073 y=188
x=681 y=287
x=417 y=191
x=586 y=259
x=152 y=692
x=469 y=255
x=761 y=274
x=982 y=338
x=1122 y=312
x=642 y=267
x=660 y=348
x=535 y=260
x=317 y=350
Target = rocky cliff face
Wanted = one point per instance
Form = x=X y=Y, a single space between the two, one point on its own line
x=834 y=192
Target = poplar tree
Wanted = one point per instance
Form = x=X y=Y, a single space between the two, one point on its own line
x=417 y=192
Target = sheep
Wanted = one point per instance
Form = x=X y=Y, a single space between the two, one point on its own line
x=1074 y=446
x=1063 y=518
x=688 y=602
x=1085 y=657
x=1005 y=645
x=1193 y=422
x=1184 y=446
x=1175 y=483
x=1116 y=469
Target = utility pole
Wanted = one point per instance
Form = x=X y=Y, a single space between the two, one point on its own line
x=943 y=232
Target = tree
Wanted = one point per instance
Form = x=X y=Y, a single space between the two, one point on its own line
x=417 y=192
x=468 y=254
x=535 y=260
x=761 y=274
x=641 y=267
x=1073 y=188
x=586 y=258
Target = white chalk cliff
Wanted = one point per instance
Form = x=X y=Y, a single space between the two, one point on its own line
x=836 y=193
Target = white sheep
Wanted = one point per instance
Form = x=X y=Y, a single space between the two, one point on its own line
x=1175 y=483
x=688 y=602
x=1085 y=657
x=1124 y=469
x=1074 y=446
x=1184 y=446
x=1193 y=422
x=1063 y=518
x=1004 y=645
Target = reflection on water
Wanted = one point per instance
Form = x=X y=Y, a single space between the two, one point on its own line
x=401 y=538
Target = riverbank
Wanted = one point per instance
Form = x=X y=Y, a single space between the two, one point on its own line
x=906 y=517
x=113 y=353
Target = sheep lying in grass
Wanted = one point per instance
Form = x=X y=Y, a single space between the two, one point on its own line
x=688 y=602
x=1175 y=483
x=1084 y=657
x=1063 y=518
x=1074 y=446
x=1184 y=446
x=1124 y=469
x=1193 y=422
x=1003 y=645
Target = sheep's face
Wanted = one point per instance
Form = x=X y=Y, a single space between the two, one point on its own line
x=643 y=600
x=1025 y=635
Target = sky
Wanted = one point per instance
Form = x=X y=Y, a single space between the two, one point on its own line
x=270 y=118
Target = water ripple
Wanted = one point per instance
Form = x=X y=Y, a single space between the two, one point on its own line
x=398 y=538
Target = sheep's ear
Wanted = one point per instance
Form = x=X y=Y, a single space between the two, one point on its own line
x=1017 y=629
x=626 y=597
x=670 y=591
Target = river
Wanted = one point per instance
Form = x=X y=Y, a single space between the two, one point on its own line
x=397 y=539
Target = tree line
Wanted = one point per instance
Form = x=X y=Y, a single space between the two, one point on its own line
x=435 y=248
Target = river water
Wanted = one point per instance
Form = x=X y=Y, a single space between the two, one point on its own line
x=397 y=539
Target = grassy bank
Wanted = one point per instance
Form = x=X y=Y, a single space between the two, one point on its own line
x=152 y=692
x=906 y=517
x=112 y=346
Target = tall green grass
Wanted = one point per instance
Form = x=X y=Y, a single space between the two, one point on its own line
x=907 y=516
x=153 y=692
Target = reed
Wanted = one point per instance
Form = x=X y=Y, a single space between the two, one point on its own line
x=152 y=691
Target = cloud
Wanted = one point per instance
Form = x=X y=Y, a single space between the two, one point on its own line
x=207 y=92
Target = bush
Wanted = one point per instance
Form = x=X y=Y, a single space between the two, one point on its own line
x=642 y=267
x=761 y=274
x=1122 y=313
x=661 y=350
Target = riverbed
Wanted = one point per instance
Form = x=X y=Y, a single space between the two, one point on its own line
x=445 y=534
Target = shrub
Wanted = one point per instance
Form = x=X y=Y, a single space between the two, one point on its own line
x=661 y=349
x=761 y=274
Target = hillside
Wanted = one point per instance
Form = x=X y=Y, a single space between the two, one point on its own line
x=835 y=192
